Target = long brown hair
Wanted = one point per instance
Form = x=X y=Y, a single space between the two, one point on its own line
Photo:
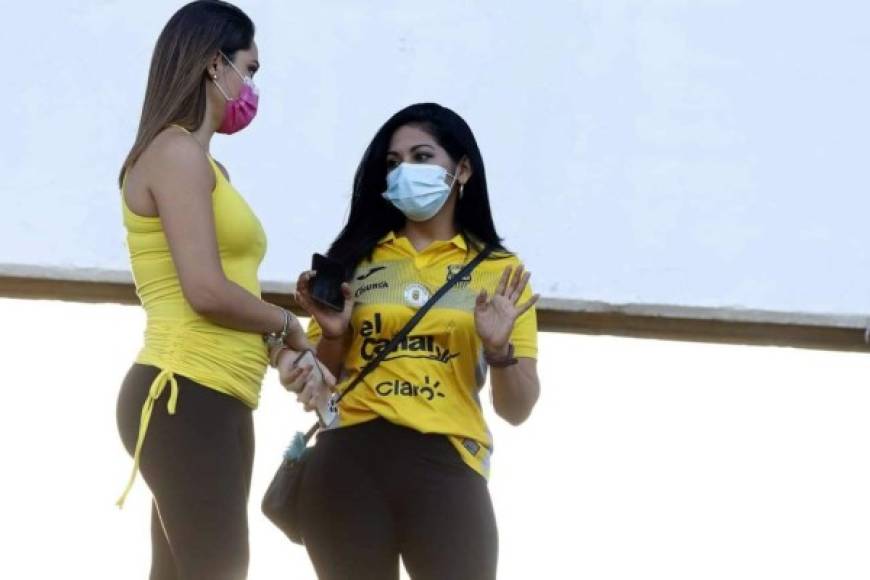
x=176 y=82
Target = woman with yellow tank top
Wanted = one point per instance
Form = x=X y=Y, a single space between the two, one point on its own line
x=184 y=410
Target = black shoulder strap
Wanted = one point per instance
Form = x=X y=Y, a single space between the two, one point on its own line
x=406 y=330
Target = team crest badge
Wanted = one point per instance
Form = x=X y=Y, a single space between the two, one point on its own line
x=416 y=295
x=453 y=270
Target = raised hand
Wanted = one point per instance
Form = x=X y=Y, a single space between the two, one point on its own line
x=494 y=316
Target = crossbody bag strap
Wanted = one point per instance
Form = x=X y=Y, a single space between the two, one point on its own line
x=406 y=330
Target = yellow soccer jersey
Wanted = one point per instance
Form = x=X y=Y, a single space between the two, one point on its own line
x=432 y=381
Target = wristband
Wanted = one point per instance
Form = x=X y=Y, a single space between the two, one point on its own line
x=501 y=361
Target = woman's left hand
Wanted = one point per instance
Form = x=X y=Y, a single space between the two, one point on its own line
x=494 y=316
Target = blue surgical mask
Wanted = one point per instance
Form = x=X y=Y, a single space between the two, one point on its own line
x=418 y=190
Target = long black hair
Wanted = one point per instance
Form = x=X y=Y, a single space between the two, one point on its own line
x=372 y=216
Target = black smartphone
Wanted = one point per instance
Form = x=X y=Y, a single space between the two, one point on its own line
x=326 y=283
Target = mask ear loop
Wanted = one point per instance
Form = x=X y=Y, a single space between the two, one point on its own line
x=229 y=62
x=214 y=78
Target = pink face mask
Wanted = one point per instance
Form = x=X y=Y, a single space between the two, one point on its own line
x=239 y=112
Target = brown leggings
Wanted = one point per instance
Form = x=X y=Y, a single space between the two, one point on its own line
x=377 y=491
x=198 y=466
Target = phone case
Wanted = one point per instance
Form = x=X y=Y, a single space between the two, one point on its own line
x=326 y=284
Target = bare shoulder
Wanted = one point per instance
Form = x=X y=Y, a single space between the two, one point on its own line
x=175 y=157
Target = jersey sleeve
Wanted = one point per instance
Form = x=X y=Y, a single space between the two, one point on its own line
x=525 y=333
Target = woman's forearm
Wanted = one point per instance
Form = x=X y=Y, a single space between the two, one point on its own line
x=232 y=306
x=515 y=390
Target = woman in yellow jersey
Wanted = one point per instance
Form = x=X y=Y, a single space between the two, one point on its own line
x=184 y=411
x=404 y=471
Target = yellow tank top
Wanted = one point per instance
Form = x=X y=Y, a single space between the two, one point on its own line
x=177 y=339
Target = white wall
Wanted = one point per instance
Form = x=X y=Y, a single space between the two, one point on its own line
x=704 y=153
